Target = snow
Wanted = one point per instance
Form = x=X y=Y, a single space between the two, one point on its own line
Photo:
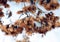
x=51 y=36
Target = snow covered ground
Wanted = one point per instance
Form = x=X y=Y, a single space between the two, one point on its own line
x=51 y=36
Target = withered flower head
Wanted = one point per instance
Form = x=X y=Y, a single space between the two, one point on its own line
x=1 y=9
x=1 y=14
x=6 y=6
x=49 y=4
x=19 y=12
x=3 y=1
x=31 y=8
